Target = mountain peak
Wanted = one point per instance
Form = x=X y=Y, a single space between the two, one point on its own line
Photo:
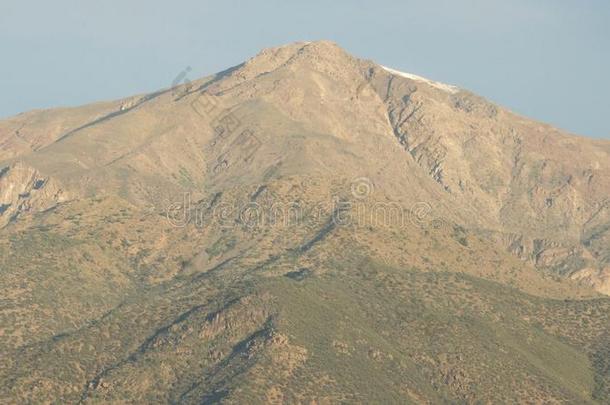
x=302 y=52
x=320 y=47
x=328 y=56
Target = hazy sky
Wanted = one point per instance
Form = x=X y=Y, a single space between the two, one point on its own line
x=547 y=59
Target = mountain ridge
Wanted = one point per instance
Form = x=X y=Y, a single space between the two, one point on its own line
x=302 y=227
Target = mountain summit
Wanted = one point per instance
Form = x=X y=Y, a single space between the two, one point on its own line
x=305 y=227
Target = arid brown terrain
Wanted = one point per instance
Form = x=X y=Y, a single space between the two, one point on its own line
x=306 y=227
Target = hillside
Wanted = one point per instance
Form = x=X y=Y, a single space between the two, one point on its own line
x=306 y=227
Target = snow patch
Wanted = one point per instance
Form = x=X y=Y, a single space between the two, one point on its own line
x=442 y=86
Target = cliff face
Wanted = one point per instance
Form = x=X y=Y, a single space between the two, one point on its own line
x=24 y=190
x=544 y=194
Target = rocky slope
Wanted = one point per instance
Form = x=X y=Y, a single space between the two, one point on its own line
x=304 y=227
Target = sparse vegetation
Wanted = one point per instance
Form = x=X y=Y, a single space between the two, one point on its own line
x=104 y=298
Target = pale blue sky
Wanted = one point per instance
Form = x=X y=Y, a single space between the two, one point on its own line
x=547 y=59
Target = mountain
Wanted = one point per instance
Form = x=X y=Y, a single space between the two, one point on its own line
x=306 y=227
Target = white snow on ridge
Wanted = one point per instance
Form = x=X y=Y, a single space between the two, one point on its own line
x=442 y=86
